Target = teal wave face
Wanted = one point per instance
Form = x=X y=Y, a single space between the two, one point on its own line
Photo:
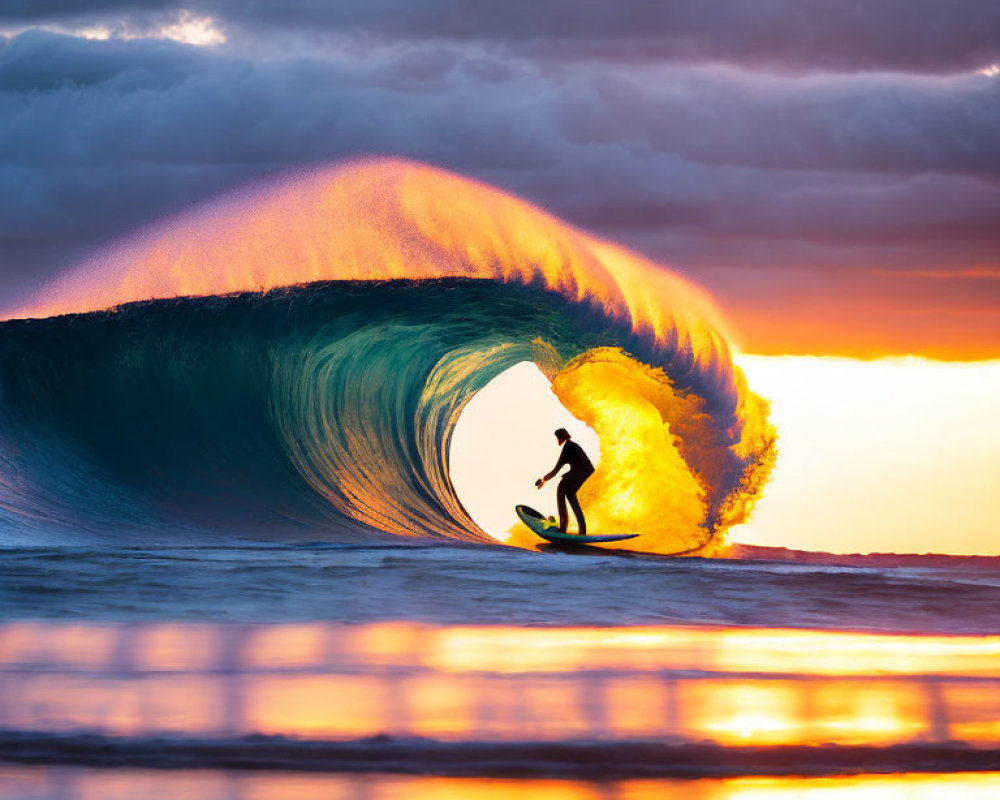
x=308 y=411
x=332 y=404
x=303 y=407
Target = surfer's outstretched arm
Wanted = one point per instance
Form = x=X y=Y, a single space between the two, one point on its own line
x=552 y=473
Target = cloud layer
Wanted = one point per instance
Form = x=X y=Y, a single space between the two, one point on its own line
x=804 y=182
x=850 y=35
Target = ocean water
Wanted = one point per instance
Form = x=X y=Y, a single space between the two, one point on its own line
x=482 y=660
x=233 y=563
x=137 y=784
x=452 y=584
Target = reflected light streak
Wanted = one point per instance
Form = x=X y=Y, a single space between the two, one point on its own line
x=482 y=683
x=76 y=783
x=65 y=645
x=317 y=706
x=736 y=650
x=175 y=648
x=502 y=649
x=747 y=713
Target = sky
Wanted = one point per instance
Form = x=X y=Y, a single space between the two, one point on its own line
x=897 y=455
x=829 y=169
x=875 y=456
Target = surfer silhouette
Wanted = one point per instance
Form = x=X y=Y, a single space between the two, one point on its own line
x=580 y=469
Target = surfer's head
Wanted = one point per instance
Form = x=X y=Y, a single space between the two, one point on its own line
x=562 y=435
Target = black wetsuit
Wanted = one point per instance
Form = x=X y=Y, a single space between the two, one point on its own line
x=580 y=469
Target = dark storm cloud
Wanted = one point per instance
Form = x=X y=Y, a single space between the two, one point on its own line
x=35 y=10
x=876 y=122
x=40 y=62
x=742 y=179
x=910 y=35
x=98 y=137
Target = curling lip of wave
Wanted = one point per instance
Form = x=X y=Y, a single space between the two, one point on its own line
x=378 y=219
x=376 y=450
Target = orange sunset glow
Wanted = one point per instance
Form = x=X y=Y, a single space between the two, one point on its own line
x=949 y=316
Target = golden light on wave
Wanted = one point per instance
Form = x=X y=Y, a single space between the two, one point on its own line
x=641 y=433
x=377 y=220
x=651 y=437
x=680 y=463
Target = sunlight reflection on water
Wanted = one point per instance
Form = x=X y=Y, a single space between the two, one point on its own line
x=494 y=683
x=38 y=783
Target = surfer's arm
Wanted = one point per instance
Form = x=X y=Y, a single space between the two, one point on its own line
x=559 y=465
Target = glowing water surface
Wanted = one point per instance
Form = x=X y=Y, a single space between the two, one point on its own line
x=26 y=783
x=493 y=683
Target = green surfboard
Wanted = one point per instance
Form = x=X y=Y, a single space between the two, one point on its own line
x=540 y=525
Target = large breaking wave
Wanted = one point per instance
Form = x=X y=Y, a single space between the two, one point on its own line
x=296 y=357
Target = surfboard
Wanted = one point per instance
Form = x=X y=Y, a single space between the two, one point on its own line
x=541 y=526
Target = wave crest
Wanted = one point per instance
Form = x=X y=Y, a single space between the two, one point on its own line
x=355 y=386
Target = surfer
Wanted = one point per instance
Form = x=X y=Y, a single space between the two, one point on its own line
x=580 y=469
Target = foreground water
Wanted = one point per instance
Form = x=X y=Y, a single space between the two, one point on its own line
x=487 y=662
x=447 y=584
x=19 y=783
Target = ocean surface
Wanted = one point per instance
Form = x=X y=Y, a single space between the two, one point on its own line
x=233 y=562
x=484 y=584
x=289 y=670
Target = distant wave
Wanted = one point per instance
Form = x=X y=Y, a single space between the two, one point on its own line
x=187 y=396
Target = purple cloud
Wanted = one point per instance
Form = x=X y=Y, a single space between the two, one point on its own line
x=842 y=35
x=786 y=180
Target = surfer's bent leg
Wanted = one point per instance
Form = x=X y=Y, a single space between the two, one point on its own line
x=561 y=490
x=567 y=491
x=581 y=523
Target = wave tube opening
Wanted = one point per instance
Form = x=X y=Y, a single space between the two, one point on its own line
x=504 y=441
